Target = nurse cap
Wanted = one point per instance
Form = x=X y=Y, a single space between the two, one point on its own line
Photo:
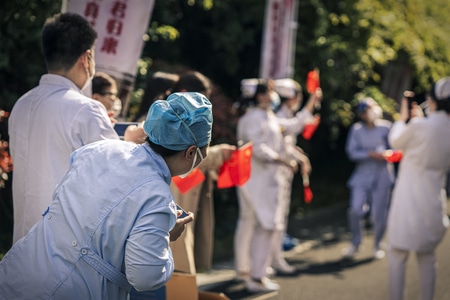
x=287 y=87
x=183 y=120
x=441 y=89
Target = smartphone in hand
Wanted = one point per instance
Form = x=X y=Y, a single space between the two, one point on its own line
x=183 y=212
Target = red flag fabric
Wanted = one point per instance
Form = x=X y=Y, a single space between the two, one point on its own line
x=307 y=193
x=192 y=179
x=393 y=156
x=236 y=171
x=310 y=128
x=312 y=81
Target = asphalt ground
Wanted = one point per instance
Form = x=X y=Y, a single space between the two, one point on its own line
x=323 y=273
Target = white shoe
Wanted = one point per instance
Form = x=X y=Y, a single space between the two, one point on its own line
x=284 y=268
x=379 y=254
x=270 y=271
x=242 y=276
x=349 y=251
x=266 y=285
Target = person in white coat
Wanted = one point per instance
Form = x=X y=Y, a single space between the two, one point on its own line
x=290 y=93
x=261 y=213
x=417 y=219
x=108 y=228
x=54 y=118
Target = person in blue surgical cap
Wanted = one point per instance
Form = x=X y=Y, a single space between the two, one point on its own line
x=113 y=215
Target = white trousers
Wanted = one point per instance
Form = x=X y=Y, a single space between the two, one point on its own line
x=253 y=244
x=397 y=269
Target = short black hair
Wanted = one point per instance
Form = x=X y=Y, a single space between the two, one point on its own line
x=101 y=82
x=163 y=151
x=65 y=37
x=193 y=81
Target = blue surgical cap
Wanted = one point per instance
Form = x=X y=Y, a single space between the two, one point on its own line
x=183 y=120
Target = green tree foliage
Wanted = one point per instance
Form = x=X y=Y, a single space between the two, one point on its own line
x=21 y=61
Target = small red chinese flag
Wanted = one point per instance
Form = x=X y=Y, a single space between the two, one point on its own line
x=308 y=195
x=310 y=128
x=236 y=171
x=393 y=156
x=188 y=182
x=312 y=81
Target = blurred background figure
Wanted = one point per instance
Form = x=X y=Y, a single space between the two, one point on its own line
x=290 y=95
x=104 y=90
x=159 y=86
x=372 y=179
x=418 y=217
x=194 y=249
x=262 y=208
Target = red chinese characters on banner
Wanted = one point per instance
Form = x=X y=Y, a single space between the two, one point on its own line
x=114 y=24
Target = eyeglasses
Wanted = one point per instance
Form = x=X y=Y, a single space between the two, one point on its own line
x=113 y=96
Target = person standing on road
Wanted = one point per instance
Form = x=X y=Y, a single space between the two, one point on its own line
x=418 y=220
x=371 y=181
x=290 y=94
x=261 y=211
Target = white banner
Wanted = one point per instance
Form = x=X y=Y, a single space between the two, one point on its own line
x=121 y=26
x=278 y=43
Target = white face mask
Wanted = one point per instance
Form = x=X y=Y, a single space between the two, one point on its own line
x=87 y=87
x=371 y=115
x=193 y=163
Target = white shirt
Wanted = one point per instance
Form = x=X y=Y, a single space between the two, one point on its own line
x=45 y=126
x=417 y=218
x=114 y=203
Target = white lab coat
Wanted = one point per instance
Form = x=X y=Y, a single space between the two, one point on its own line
x=417 y=219
x=266 y=185
x=45 y=126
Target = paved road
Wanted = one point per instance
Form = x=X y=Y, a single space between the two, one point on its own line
x=323 y=274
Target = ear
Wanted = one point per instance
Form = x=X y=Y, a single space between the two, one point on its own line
x=190 y=152
x=85 y=57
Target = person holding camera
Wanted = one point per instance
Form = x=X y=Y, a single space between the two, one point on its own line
x=418 y=220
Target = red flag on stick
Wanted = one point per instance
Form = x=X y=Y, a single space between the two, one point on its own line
x=236 y=171
x=308 y=195
x=310 y=128
x=312 y=81
x=188 y=182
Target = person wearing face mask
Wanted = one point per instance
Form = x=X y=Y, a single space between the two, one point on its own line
x=107 y=232
x=54 y=118
x=418 y=217
x=290 y=94
x=262 y=211
x=372 y=178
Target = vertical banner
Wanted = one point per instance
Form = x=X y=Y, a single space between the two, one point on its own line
x=121 y=26
x=278 y=43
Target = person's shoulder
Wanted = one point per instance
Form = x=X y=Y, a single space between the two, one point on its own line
x=357 y=126
x=383 y=123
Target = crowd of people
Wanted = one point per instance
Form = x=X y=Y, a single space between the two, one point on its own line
x=106 y=230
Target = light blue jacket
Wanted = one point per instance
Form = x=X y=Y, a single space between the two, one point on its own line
x=108 y=226
x=360 y=141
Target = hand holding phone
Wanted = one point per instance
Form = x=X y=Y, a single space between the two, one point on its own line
x=183 y=212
